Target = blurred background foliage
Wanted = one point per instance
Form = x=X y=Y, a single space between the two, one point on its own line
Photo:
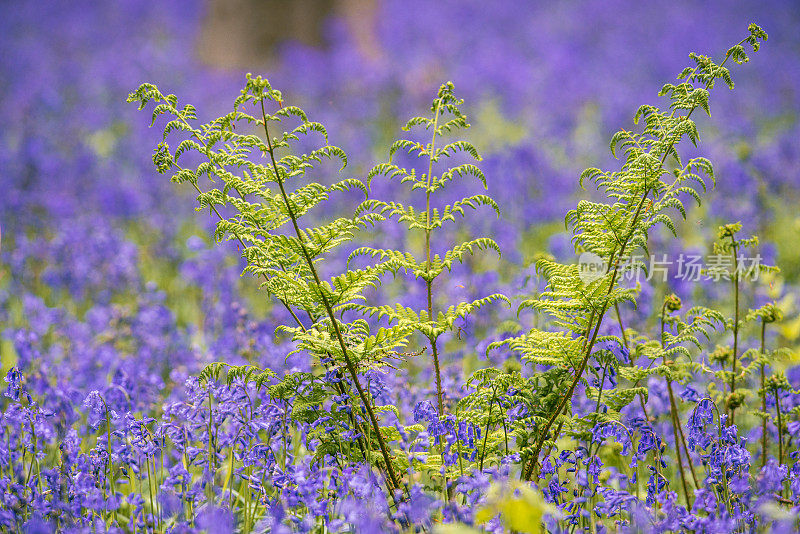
x=87 y=222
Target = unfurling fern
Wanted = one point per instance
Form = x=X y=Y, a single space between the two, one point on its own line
x=262 y=180
x=429 y=322
x=446 y=118
x=640 y=197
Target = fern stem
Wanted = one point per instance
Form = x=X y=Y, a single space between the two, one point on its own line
x=348 y=361
x=581 y=368
x=428 y=280
x=568 y=396
x=429 y=288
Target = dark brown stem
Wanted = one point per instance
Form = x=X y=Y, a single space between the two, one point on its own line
x=675 y=431
x=673 y=410
x=688 y=456
x=394 y=481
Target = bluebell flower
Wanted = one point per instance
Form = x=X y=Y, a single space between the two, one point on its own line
x=689 y=394
x=15 y=387
x=615 y=430
x=216 y=519
x=771 y=477
x=424 y=411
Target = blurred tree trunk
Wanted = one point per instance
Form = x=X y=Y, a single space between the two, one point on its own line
x=244 y=33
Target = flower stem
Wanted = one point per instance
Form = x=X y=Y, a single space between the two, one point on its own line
x=735 y=323
x=780 y=426
x=763 y=400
